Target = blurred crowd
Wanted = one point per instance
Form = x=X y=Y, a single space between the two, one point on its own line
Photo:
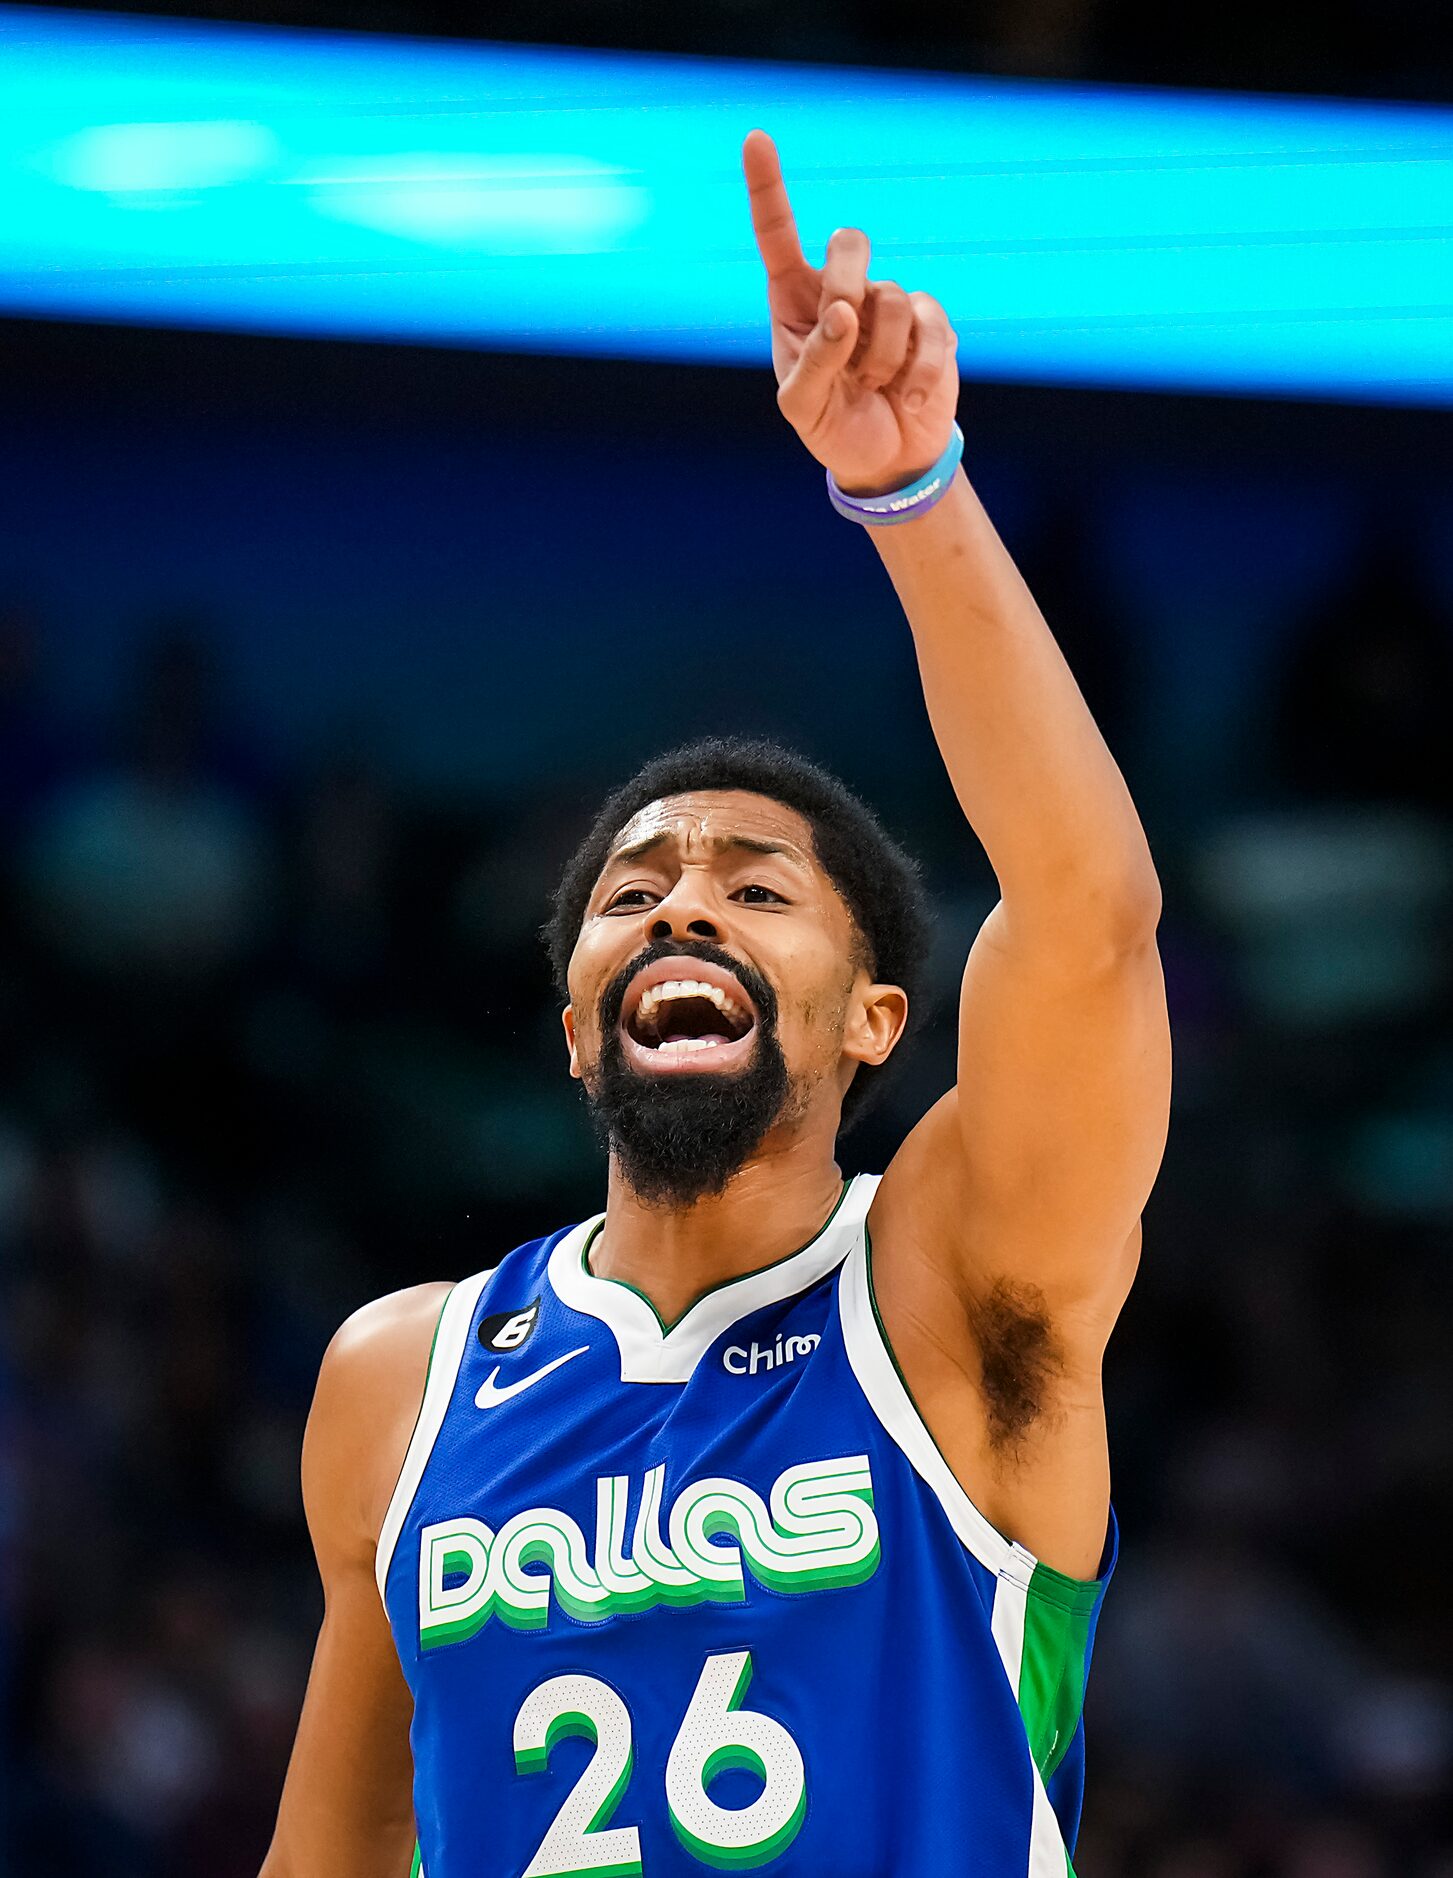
x=279 y=1037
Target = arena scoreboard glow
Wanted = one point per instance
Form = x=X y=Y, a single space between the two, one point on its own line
x=531 y=198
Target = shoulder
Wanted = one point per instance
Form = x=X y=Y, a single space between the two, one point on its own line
x=384 y=1337
x=370 y=1386
x=920 y=1201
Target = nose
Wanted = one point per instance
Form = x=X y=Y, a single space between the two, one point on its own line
x=685 y=913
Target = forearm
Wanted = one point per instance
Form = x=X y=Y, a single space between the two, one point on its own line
x=339 y=1848
x=1027 y=762
x=346 y=1808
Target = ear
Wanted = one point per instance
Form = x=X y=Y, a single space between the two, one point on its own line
x=567 y=1018
x=877 y=1026
x=874 y=1029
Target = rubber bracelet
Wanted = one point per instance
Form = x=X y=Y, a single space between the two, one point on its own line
x=901 y=505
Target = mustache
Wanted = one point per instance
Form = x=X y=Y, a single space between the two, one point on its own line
x=752 y=982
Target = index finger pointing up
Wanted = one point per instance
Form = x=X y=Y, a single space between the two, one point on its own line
x=772 y=219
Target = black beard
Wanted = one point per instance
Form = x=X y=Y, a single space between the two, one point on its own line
x=680 y=1139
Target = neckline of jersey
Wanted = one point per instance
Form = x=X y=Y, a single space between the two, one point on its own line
x=713 y=1290
x=652 y=1350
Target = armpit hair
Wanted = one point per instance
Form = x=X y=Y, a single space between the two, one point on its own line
x=1018 y=1359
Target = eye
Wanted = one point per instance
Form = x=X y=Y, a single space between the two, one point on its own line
x=757 y=887
x=626 y=896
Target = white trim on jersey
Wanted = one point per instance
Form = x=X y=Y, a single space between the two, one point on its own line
x=450 y=1340
x=651 y=1353
x=1012 y=1564
x=890 y=1401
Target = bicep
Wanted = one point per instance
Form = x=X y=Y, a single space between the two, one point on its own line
x=1061 y=1109
x=347 y=1808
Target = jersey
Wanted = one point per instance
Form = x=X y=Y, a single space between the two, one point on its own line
x=706 y=1596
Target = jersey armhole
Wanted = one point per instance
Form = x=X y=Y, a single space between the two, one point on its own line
x=1041 y=1620
x=446 y=1353
x=871 y=1357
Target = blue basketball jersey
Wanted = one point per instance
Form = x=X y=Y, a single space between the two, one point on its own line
x=707 y=1597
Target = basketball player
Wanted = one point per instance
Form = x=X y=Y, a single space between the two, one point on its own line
x=762 y=1521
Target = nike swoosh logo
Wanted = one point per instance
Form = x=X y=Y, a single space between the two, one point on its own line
x=490 y=1394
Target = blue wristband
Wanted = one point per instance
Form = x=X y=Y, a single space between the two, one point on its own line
x=901 y=505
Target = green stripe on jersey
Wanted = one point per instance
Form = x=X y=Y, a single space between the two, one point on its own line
x=1057 y=1613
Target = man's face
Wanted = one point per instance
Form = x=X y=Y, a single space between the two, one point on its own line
x=715 y=993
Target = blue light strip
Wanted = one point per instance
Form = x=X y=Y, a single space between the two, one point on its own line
x=527 y=198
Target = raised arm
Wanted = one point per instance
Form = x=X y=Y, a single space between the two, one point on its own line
x=347 y=1805
x=1012 y=1211
x=1059 y=1115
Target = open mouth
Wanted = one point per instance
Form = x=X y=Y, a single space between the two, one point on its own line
x=682 y=1013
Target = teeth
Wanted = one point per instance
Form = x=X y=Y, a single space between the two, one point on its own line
x=684 y=1046
x=657 y=995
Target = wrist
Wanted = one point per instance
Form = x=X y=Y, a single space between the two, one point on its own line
x=926 y=529
x=894 y=478
x=906 y=497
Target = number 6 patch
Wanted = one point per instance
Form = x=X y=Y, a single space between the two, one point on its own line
x=509 y=1330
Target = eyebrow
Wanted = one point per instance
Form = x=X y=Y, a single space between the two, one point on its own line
x=721 y=843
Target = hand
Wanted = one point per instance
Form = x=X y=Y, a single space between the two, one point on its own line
x=866 y=373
